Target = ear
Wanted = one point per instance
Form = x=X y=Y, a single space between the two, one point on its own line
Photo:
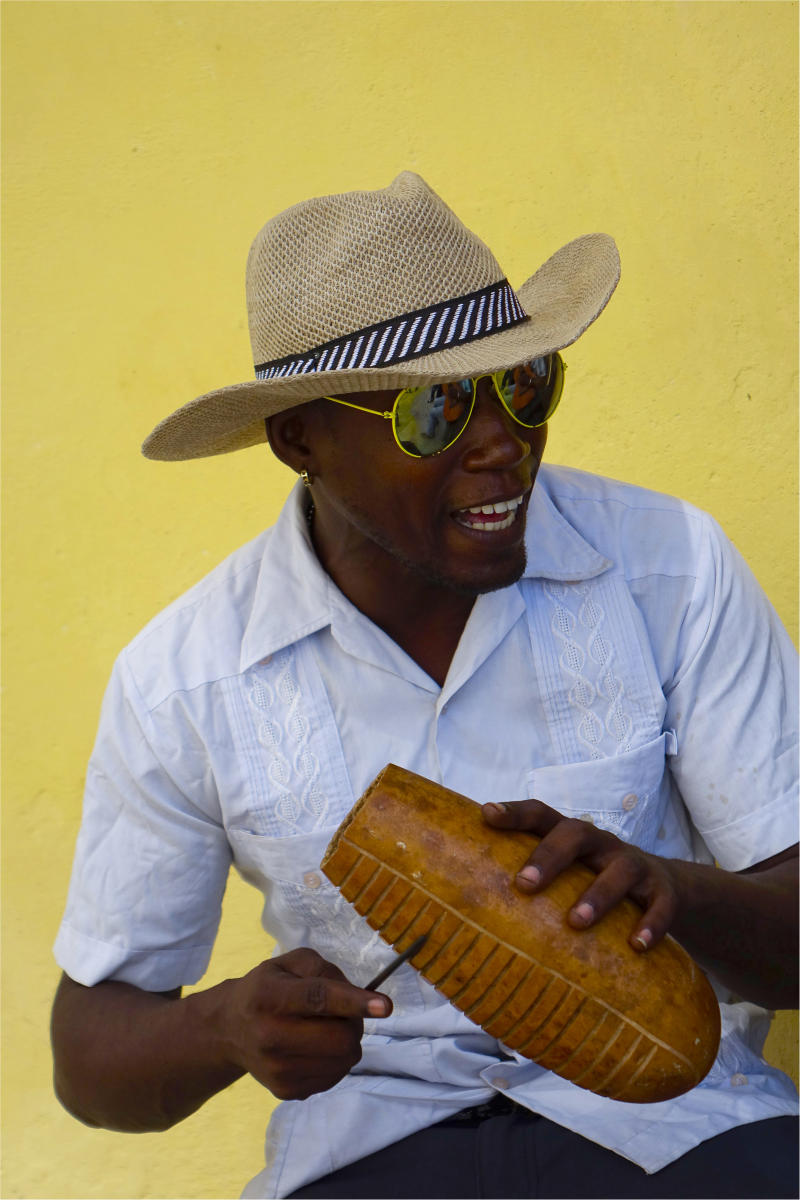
x=289 y=435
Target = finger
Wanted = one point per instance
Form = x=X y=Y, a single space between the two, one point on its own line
x=531 y=816
x=629 y=877
x=568 y=840
x=319 y=996
x=312 y=1037
x=656 y=921
x=616 y=881
x=377 y=1003
x=337 y=999
x=306 y=963
x=296 y=1077
x=372 y=1003
x=341 y=998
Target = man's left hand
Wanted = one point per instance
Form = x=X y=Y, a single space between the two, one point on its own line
x=622 y=870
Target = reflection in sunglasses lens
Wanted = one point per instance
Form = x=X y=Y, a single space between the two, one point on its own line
x=429 y=419
x=529 y=391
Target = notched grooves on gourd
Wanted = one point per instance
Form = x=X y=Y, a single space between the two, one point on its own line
x=457 y=995
x=599 y=1057
x=432 y=932
x=601 y=1085
x=497 y=982
x=508 y=1033
x=506 y=1000
x=343 y=882
x=560 y=1033
x=643 y=1065
x=357 y=896
x=406 y=928
x=441 y=979
x=425 y=966
x=397 y=907
x=604 y=1016
x=380 y=898
x=458 y=963
x=560 y=1002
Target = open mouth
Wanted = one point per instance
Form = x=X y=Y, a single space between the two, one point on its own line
x=489 y=517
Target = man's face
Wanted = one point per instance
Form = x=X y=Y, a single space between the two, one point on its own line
x=379 y=509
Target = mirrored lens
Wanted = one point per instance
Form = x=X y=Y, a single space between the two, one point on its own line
x=428 y=420
x=531 y=392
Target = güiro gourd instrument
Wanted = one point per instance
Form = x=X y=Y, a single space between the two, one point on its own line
x=415 y=858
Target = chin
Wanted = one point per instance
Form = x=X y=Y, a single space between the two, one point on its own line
x=478 y=583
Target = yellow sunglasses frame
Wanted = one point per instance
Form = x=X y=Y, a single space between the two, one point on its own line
x=496 y=378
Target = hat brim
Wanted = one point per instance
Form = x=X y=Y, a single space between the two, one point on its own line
x=562 y=299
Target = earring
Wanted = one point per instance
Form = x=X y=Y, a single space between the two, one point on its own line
x=306 y=478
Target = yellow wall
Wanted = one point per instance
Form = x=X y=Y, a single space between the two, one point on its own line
x=144 y=145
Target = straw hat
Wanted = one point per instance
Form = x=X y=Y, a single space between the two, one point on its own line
x=367 y=291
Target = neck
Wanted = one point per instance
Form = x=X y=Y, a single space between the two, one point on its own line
x=425 y=618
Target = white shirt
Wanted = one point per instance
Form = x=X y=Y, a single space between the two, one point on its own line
x=636 y=676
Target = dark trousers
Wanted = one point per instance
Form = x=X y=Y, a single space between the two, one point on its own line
x=510 y=1154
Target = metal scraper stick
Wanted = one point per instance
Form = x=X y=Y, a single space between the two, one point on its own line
x=383 y=975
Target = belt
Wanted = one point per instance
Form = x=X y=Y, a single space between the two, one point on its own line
x=498 y=1106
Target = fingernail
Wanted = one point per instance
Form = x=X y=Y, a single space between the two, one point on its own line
x=378 y=1008
x=496 y=809
x=584 y=912
x=531 y=876
x=643 y=939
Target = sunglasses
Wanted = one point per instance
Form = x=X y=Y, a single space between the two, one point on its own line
x=428 y=420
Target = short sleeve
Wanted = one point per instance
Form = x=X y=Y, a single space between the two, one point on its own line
x=151 y=859
x=733 y=705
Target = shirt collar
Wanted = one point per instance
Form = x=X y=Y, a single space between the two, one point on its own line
x=556 y=549
x=293 y=598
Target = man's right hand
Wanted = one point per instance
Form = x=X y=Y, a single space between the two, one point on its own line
x=137 y=1061
x=295 y=1023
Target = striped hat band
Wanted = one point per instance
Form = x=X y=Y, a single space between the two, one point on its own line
x=463 y=319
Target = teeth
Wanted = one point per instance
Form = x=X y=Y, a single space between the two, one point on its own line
x=492 y=510
x=493 y=525
x=501 y=507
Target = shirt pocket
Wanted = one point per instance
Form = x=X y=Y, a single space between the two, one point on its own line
x=625 y=794
x=301 y=906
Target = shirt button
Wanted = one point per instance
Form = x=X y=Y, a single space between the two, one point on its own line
x=630 y=801
x=500 y=1083
x=587 y=817
x=311 y=879
x=738 y=1080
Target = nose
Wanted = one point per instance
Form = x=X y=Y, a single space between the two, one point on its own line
x=493 y=439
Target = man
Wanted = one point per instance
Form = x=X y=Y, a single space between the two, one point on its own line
x=600 y=648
